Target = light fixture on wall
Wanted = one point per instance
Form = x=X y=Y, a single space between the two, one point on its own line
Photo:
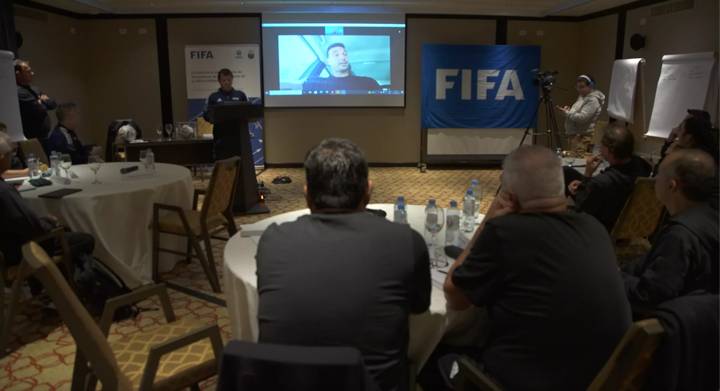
x=637 y=41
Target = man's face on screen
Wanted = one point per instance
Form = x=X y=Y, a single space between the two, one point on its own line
x=338 y=62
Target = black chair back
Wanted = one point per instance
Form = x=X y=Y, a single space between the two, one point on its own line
x=112 y=133
x=259 y=367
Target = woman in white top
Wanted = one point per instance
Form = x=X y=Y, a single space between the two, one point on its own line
x=580 y=118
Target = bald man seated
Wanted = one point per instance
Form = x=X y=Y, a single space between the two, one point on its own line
x=548 y=278
x=684 y=257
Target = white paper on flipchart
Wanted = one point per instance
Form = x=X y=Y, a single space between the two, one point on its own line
x=623 y=88
x=683 y=84
x=9 y=105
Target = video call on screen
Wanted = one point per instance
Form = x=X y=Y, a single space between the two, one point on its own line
x=333 y=63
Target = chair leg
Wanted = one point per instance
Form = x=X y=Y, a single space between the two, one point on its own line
x=206 y=267
x=231 y=227
x=188 y=250
x=10 y=314
x=155 y=249
x=211 y=258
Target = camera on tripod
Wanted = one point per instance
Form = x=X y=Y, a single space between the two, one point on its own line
x=545 y=79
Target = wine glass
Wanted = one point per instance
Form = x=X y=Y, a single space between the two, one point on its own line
x=95 y=162
x=434 y=220
x=143 y=157
x=159 y=133
x=168 y=130
x=65 y=164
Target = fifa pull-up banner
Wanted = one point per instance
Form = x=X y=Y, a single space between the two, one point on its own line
x=479 y=86
x=202 y=63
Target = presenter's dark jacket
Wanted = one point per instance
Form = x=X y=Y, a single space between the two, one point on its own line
x=66 y=141
x=683 y=259
x=604 y=195
x=35 y=119
x=347 y=279
x=221 y=96
x=349 y=83
x=555 y=299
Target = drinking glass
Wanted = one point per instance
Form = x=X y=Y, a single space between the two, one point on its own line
x=143 y=157
x=65 y=164
x=95 y=162
x=433 y=224
x=168 y=131
x=159 y=133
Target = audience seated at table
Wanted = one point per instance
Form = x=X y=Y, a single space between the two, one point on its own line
x=548 y=278
x=342 y=276
x=604 y=195
x=16 y=169
x=684 y=257
x=63 y=139
x=19 y=224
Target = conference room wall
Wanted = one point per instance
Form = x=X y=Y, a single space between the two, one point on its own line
x=122 y=75
x=55 y=47
x=597 y=51
x=687 y=31
x=199 y=31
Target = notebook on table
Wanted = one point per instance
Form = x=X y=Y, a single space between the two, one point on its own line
x=57 y=194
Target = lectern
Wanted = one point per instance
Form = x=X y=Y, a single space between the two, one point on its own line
x=232 y=138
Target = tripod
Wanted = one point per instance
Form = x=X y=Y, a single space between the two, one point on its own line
x=552 y=131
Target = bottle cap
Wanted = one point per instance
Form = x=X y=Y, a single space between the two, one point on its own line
x=431 y=202
x=469 y=192
x=475 y=182
x=401 y=199
x=453 y=204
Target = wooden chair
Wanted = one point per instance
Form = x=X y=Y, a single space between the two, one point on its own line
x=638 y=220
x=10 y=277
x=625 y=370
x=166 y=357
x=215 y=215
x=33 y=146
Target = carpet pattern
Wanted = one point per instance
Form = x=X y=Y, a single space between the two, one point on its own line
x=43 y=349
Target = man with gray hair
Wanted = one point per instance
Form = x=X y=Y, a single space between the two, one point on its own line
x=63 y=138
x=548 y=278
x=341 y=276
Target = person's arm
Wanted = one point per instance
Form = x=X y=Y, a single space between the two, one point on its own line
x=589 y=196
x=455 y=297
x=587 y=111
x=206 y=110
x=17 y=218
x=9 y=174
x=420 y=286
x=48 y=102
x=57 y=142
x=663 y=275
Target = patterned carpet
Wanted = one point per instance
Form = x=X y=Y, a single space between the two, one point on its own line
x=43 y=349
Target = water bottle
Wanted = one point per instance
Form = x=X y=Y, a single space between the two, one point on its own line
x=150 y=161
x=54 y=164
x=468 y=222
x=477 y=193
x=32 y=165
x=452 y=224
x=400 y=213
x=431 y=215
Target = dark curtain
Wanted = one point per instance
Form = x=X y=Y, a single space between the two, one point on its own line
x=8 y=40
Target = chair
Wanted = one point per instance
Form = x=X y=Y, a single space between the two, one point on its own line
x=257 y=367
x=112 y=133
x=166 y=357
x=35 y=147
x=638 y=220
x=215 y=215
x=625 y=370
x=10 y=277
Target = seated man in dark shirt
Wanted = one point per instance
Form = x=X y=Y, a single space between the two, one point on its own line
x=341 y=74
x=63 y=138
x=604 y=195
x=19 y=224
x=548 y=278
x=342 y=276
x=684 y=257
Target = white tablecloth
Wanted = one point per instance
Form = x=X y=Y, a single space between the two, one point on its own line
x=118 y=212
x=426 y=330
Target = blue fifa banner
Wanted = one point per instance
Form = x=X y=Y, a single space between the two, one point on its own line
x=479 y=86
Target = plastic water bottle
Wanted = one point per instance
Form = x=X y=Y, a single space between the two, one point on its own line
x=452 y=224
x=468 y=222
x=477 y=193
x=400 y=213
x=32 y=165
x=150 y=161
x=54 y=164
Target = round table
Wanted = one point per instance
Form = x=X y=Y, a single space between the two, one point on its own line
x=118 y=212
x=426 y=330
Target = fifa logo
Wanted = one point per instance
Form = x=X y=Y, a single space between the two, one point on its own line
x=201 y=54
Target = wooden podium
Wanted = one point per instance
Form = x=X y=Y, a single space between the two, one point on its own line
x=231 y=137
